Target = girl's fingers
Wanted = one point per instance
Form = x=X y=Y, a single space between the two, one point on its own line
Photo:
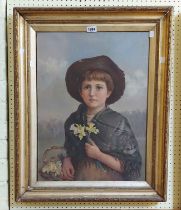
x=67 y=177
x=72 y=171
x=87 y=145
x=68 y=174
x=92 y=142
x=68 y=170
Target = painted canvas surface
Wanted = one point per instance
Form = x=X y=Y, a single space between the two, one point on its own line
x=57 y=51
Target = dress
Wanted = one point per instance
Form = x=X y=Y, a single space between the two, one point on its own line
x=115 y=137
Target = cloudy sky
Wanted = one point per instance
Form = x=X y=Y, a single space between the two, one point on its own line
x=57 y=51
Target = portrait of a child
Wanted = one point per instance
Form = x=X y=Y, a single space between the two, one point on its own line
x=100 y=144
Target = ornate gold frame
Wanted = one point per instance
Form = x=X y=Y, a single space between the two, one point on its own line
x=29 y=21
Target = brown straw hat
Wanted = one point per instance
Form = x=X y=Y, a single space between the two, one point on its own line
x=104 y=63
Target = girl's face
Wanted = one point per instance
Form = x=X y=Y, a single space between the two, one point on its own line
x=94 y=94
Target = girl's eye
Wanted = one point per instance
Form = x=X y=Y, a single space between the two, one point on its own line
x=99 y=87
x=86 y=87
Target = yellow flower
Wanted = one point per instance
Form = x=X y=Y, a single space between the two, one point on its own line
x=78 y=130
x=53 y=167
x=90 y=128
x=81 y=130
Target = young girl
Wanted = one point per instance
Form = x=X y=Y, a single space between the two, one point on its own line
x=99 y=142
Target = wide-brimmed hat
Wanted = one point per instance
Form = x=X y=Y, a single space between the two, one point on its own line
x=103 y=63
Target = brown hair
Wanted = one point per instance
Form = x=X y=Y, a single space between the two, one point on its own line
x=99 y=75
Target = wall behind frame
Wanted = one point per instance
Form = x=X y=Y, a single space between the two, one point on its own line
x=174 y=152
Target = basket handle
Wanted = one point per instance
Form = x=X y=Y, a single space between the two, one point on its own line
x=49 y=149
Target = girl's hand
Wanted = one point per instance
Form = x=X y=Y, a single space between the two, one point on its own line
x=92 y=150
x=68 y=169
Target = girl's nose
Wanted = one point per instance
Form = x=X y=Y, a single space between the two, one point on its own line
x=92 y=91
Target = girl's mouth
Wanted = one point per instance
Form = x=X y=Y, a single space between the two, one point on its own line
x=92 y=100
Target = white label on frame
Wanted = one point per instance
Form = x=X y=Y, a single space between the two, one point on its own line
x=162 y=59
x=152 y=34
x=21 y=51
x=91 y=29
x=31 y=64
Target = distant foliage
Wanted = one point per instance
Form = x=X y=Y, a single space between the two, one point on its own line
x=52 y=129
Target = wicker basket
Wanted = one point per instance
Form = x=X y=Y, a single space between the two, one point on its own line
x=52 y=163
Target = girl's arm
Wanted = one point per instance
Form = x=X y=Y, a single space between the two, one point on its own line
x=68 y=169
x=94 y=152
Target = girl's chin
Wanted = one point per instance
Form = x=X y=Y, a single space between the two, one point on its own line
x=91 y=106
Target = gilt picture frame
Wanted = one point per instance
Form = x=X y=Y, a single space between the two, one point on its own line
x=40 y=35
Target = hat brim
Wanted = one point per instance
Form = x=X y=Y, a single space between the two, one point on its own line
x=104 y=63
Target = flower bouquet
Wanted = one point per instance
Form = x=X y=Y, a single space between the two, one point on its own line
x=82 y=131
x=52 y=165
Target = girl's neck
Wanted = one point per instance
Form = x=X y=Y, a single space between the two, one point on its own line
x=94 y=111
